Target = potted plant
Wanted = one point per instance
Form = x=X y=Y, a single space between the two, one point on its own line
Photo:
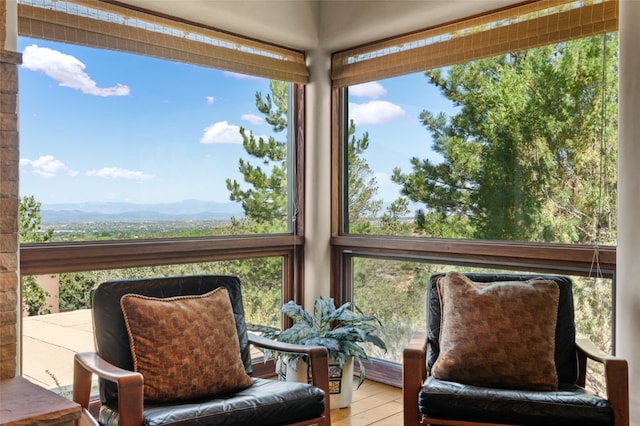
x=340 y=330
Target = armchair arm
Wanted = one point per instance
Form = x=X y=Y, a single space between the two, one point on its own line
x=130 y=385
x=414 y=371
x=616 y=373
x=318 y=360
x=590 y=350
x=274 y=345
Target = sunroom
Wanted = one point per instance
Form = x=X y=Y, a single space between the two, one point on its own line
x=355 y=98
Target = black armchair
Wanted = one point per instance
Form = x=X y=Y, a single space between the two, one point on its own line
x=431 y=400
x=122 y=394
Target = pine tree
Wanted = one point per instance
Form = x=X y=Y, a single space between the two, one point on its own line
x=265 y=200
x=526 y=156
x=362 y=186
x=33 y=295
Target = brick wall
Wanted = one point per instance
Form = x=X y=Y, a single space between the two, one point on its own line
x=9 y=201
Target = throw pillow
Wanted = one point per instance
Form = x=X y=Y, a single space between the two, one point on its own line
x=185 y=347
x=499 y=334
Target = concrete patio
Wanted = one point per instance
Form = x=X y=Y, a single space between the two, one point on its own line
x=49 y=343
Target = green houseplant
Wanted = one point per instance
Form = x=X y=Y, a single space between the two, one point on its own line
x=340 y=330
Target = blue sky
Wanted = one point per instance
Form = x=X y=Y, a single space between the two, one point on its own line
x=98 y=125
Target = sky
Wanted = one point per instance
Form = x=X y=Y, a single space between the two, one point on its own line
x=98 y=125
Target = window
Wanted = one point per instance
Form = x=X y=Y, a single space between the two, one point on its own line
x=176 y=121
x=516 y=147
x=167 y=59
x=159 y=105
x=395 y=291
x=49 y=357
x=122 y=146
x=464 y=146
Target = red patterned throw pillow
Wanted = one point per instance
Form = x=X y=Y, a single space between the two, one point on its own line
x=185 y=347
x=499 y=334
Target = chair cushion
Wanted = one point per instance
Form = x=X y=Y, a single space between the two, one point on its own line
x=266 y=402
x=570 y=405
x=498 y=334
x=185 y=347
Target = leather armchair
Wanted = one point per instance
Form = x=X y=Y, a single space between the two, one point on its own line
x=265 y=402
x=428 y=400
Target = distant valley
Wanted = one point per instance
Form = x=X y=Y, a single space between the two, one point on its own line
x=131 y=212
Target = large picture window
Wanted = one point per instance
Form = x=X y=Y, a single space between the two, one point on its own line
x=122 y=146
x=136 y=126
x=484 y=144
x=70 y=294
x=396 y=292
x=516 y=147
x=147 y=142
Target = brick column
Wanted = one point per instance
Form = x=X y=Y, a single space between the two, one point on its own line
x=9 y=205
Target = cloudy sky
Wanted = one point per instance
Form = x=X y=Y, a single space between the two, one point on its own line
x=97 y=125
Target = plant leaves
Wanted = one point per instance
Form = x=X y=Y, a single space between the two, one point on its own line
x=339 y=330
x=296 y=313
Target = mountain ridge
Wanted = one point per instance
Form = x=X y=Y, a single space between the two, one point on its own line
x=124 y=211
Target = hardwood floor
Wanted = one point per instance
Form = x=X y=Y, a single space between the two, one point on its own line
x=372 y=404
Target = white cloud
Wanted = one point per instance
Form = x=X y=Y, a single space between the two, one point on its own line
x=239 y=76
x=117 y=173
x=47 y=166
x=210 y=100
x=373 y=90
x=374 y=112
x=221 y=132
x=252 y=118
x=67 y=70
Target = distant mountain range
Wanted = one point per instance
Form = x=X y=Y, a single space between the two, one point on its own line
x=123 y=212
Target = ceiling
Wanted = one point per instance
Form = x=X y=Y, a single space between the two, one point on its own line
x=329 y=25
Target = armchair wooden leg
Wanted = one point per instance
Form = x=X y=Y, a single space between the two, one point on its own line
x=81 y=384
x=412 y=366
x=130 y=401
x=318 y=358
x=617 y=378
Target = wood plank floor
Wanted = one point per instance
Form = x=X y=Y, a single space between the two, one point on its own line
x=372 y=404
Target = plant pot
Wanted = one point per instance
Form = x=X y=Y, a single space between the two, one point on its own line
x=340 y=379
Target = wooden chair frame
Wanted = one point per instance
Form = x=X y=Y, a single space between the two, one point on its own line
x=130 y=383
x=414 y=373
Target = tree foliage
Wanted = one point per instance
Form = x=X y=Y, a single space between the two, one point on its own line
x=530 y=153
x=31 y=222
x=362 y=186
x=264 y=201
x=75 y=290
x=264 y=195
x=34 y=296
